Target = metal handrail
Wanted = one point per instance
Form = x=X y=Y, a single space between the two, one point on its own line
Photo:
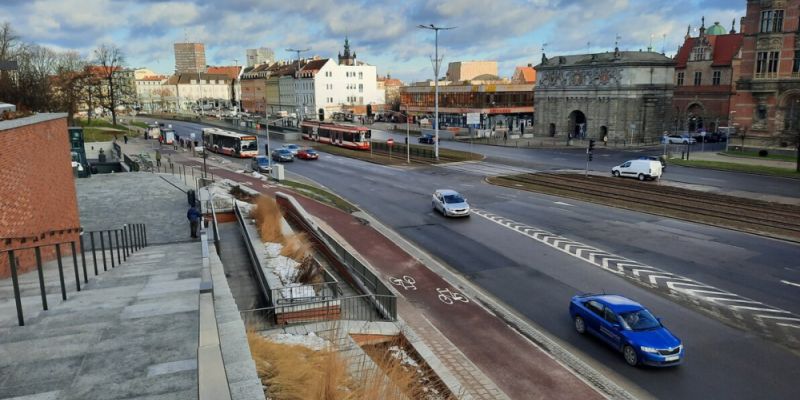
x=215 y=227
x=354 y=308
x=129 y=238
x=254 y=263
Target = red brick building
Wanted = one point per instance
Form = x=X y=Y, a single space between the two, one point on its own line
x=767 y=100
x=38 y=202
x=706 y=70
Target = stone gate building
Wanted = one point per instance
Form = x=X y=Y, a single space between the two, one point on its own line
x=618 y=96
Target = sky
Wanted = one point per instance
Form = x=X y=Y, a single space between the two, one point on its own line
x=383 y=33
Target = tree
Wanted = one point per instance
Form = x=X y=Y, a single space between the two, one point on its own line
x=72 y=81
x=110 y=60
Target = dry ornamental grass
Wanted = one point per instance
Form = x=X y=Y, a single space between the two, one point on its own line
x=268 y=219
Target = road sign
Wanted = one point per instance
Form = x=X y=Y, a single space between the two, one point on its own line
x=473 y=118
x=390 y=141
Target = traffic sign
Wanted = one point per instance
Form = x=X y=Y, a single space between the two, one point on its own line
x=473 y=118
x=390 y=141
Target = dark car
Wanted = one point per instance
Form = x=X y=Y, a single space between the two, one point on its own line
x=426 y=138
x=308 y=154
x=282 y=155
x=627 y=327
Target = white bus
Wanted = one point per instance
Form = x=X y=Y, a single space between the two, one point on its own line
x=230 y=143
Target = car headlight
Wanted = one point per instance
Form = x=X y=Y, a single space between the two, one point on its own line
x=649 y=349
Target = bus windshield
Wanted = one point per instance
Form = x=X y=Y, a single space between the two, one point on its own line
x=249 y=145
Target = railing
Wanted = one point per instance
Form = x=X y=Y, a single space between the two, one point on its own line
x=353 y=308
x=215 y=228
x=259 y=274
x=364 y=274
x=766 y=75
x=295 y=294
x=125 y=241
x=399 y=150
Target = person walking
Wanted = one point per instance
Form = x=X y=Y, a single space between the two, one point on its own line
x=193 y=215
x=125 y=138
x=158 y=158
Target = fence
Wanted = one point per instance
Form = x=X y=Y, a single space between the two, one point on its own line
x=354 y=308
x=125 y=241
x=399 y=150
x=306 y=293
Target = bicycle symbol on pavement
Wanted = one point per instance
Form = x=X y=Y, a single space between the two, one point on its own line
x=448 y=296
x=406 y=282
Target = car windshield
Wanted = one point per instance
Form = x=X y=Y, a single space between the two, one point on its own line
x=283 y=151
x=249 y=145
x=453 y=199
x=640 y=320
x=311 y=152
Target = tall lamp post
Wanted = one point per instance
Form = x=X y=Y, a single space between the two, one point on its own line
x=436 y=64
x=269 y=156
x=730 y=126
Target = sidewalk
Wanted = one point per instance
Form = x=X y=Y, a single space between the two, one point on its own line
x=490 y=359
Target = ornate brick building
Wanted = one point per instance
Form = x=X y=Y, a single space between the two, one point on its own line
x=767 y=100
x=706 y=70
x=619 y=95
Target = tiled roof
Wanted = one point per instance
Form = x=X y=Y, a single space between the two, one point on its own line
x=525 y=74
x=230 y=71
x=154 y=78
x=100 y=70
x=185 y=79
x=724 y=48
x=315 y=65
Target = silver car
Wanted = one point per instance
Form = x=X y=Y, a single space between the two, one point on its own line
x=450 y=203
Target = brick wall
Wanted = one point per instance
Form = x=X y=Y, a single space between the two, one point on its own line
x=38 y=202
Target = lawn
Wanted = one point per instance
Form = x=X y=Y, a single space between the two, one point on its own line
x=420 y=154
x=100 y=130
x=321 y=195
x=755 y=169
x=754 y=154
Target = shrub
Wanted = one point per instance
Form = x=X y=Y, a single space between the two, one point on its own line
x=268 y=219
x=297 y=247
x=763 y=153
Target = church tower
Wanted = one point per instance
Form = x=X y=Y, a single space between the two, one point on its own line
x=347 y=58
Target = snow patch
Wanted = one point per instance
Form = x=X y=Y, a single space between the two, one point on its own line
x=297 y=291
x=311 y=340
x=272 y=250
x=402 y=356
x=284 y=268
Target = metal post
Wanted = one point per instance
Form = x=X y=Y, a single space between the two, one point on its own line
x=111 y=249
x=61 y=272
x=116 y=240
x=75 y=265
x=83 y=258
x=12 y=262
x=144 y=234
x=138 y=228
x=436 y=100
x=123 y=235
x=408 y=141
x=94 y=253
x=38 y=254
x=103 y=251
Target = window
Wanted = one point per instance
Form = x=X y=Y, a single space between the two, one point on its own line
x=610 y=317
x=771 y=21
x=716 y=78
x=360 y=75
x=698 y=53
x=796 y=64
x=361 y=87
x=594 y=307
x=698 y=78
x=680 y=78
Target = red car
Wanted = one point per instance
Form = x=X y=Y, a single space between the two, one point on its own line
x=308 y=154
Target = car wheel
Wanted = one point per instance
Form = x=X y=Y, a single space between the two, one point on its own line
x=630 y=356
x=616 y=174
x=641 y=177
x=580 y=325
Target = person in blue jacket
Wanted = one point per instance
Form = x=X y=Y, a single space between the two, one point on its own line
x=194 y=219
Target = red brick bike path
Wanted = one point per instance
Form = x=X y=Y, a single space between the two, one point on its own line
x=515 y=365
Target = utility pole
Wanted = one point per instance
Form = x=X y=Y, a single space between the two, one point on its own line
x=436 y=64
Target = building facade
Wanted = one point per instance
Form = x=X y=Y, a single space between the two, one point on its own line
x=151 y=94
x=198 y=91
x=500 y=103
x=468 y=70
x=37 y=189
x=619 y=96
x=254 y=89
x=706 y=70
x=190 y=58
x=261 y=55
x=767 y=101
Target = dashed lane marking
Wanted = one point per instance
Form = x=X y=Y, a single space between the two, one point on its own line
x=740 y=309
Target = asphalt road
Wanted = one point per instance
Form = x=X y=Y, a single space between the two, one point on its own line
x=537 y=280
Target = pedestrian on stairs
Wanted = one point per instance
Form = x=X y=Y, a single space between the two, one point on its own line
x=194 y=219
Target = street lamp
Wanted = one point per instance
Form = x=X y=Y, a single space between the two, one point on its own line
x=269 y=156
x=728 y=132
x=436 y=65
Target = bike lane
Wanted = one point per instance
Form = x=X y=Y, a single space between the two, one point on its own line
x=512 y=362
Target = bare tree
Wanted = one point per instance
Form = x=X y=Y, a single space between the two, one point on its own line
x=33 y=86
x=8 y=44
x=71 y=80
x=110 y=60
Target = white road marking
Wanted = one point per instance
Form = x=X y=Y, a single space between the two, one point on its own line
x=562 y=203
x=789 y=325
x=790 y=283
x=652 y=276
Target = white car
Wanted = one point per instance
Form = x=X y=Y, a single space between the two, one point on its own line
x=291 y=147
x=640 y=169
x=680 y=139
x=450 y=203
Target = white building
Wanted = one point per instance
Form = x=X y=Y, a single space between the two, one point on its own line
x=324 y=84
x=193 y=90
x=260 y=56
x=150 y=92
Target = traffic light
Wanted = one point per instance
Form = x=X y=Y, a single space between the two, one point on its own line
x=590 y=156
x=591 y=145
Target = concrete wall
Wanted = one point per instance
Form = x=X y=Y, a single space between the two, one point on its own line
x=37 y=189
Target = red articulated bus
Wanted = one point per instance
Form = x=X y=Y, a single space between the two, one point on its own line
x=348 y=136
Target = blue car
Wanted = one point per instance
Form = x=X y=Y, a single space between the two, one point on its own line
x=628 y=327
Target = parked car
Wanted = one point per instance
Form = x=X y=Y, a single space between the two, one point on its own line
x=282 y=155
x=640 y=169
x=450 y=203
x=260 y=164
x=680 y=139
x=426 y=138
x=661 y=159
x=308 y=154
x=291 y=147
x=628 y=327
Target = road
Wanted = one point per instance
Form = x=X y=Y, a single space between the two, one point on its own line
x=537 y=280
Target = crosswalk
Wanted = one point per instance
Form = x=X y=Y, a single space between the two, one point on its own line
x=482 y=168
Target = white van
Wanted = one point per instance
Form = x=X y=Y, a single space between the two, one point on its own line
x=640 y=169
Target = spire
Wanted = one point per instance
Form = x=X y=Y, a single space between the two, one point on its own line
x=702 y=26
x=688 y=32
x=733 y=24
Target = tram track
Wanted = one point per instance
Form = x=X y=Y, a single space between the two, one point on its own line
x=770 y=219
